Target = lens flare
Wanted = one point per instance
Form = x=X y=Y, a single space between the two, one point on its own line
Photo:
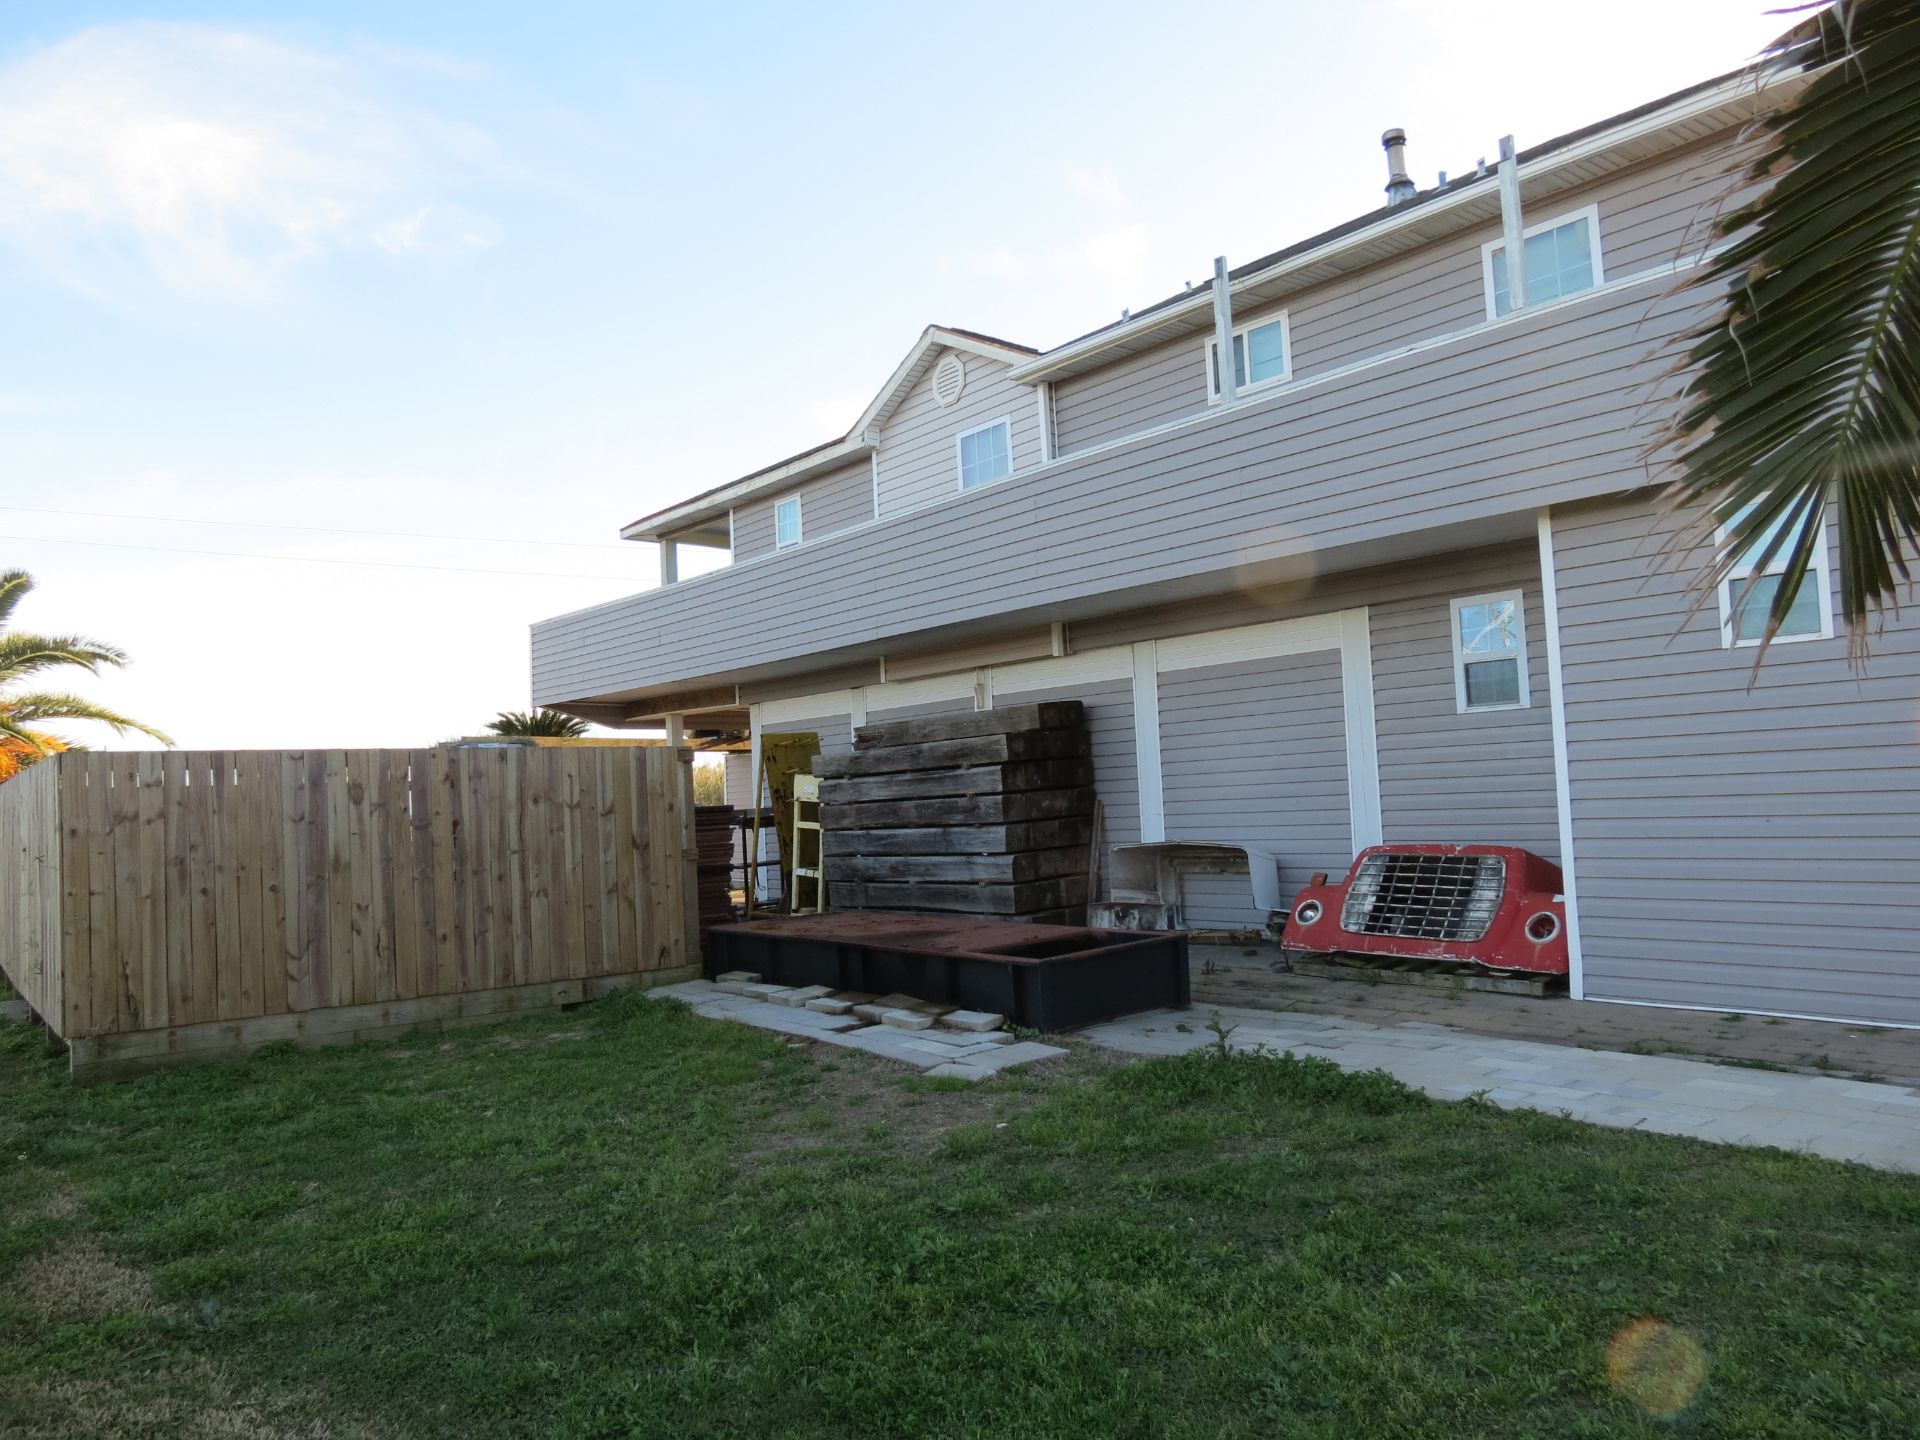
x=1657 y=1366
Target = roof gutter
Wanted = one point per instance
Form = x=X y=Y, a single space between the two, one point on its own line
x=1542 y=161
x=662 y=522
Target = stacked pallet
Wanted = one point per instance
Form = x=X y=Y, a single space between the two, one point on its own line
x=713 y=839
x=984 y=813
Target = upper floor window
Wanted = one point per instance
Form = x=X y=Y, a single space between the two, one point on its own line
x=786 y=522
x=1562 y=255
x=1260 y=356
x=986 y=454
x=1746 y=595
x=1490 y=652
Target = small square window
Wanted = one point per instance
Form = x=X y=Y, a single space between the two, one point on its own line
x=1562 y=257
x=1259 y=356
x=986 y=454
x=1746 y=595
x=786 y=522
x=1490 y=652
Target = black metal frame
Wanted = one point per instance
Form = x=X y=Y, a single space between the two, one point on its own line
x=1058 y=981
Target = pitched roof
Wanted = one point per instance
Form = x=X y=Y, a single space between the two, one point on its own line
x=858 y=441
x=1362 y=240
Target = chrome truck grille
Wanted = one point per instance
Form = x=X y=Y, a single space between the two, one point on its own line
x=1425 y=897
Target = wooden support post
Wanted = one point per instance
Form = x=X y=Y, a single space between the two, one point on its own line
x=669 y=562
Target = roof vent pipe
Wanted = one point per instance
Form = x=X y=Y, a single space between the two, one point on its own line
x=1400 y=186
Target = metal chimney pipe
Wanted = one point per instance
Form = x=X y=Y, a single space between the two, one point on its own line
x=1400 y=186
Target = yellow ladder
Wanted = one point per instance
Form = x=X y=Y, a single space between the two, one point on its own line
x=806 y=821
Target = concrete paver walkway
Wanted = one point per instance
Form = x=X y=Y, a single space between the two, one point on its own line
x=966 y=1055
x=1876 y=1124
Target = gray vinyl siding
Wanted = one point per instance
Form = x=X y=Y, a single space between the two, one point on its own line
x=1550 y=407
x=1141 y=391
x=919 y=453
x=739 y=794
x=1648 y=215
x=739 y=787
x=1484 y=777
x=1116 y=771
x=1255 y=753
x=835 y=731
x=828 y=505
x=1738 y=849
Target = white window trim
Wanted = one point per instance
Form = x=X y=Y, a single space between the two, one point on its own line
x=1589 y=213
x=959 y=465
x=799 y=523
x=1818 y=571
x=1259 y=322
x=1491 y=597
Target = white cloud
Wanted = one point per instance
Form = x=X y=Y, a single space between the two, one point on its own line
x=214 y=161
x=437 y=230
x=1119 y=254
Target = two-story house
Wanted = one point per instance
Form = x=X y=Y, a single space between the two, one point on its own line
x=1357 y=543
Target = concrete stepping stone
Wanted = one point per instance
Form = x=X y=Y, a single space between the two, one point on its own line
x=906 y=1020
x=976 y=1020
x=874 y=1010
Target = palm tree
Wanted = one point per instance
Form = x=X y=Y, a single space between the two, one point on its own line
x=1806 y=381
x=23 y=654
x=539 y=722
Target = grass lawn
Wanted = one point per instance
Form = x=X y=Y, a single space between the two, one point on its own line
x=631 y=1221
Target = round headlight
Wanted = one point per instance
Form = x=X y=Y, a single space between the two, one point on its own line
x=1543 y=927
x=1308 y=912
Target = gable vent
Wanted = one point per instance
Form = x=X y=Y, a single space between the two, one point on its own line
x=949 y=378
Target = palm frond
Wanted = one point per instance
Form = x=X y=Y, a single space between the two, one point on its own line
x=22 y=654
x=540 y=722
x=14 y=585
x=1805 y=383
x=14 y=732
x=18 y=711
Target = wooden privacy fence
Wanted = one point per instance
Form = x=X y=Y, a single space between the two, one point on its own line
x=255 y=892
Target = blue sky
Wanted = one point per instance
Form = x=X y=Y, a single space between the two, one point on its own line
x=523 y=272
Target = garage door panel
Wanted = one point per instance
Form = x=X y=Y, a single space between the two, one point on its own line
x=1255 y=753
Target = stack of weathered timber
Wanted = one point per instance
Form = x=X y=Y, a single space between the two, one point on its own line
x=983 y=813
x=713 y=838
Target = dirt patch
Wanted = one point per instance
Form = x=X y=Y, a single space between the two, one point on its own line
x=542 y=1040
x=60 y=1205
x=194 y=1400
x=77 y=1280
x=907 y=1111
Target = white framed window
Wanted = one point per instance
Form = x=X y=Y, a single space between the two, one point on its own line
x=985 y=453
x=1490 y=652
x=786 y=522
x=1747 y=594
x=1262 y=355
x=1562 y=255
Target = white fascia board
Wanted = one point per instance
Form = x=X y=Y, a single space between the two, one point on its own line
x=1045 y=366
x=860 y=441
x=856 y=446
x=907 y=373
